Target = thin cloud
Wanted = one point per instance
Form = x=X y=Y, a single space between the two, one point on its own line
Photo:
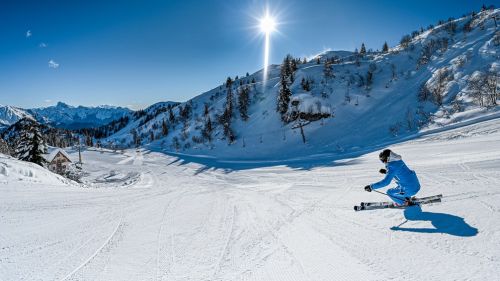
x=42 y=45
x=53 y=64
x=28 y=34
x=325 y=49
x=47 y=101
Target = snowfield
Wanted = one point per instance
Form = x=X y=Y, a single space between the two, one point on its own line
x=143 y=215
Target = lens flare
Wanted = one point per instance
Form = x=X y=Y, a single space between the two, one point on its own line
x=267 y=25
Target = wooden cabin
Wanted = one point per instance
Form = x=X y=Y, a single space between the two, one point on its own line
x=58 y=161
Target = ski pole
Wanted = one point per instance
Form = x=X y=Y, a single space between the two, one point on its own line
x=388 y=195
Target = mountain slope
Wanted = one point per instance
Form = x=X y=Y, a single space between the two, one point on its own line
x=427 y=82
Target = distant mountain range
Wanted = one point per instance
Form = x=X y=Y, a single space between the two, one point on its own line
x=64 y=116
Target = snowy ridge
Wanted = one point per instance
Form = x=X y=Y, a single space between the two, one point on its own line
x=375 y=98
x=10 y=115
x=70 y=117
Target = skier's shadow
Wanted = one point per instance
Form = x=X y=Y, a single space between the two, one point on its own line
x=443 y=223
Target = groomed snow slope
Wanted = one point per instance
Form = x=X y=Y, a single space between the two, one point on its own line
x=180 y=220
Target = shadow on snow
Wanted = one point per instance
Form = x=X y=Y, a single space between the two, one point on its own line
x=228 y=166
x=443 y=223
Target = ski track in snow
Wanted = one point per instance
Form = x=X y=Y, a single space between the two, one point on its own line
x=183 y=221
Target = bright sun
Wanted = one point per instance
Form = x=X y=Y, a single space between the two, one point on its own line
x=267 y=24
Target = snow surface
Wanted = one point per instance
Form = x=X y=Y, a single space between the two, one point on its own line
x=148 y=216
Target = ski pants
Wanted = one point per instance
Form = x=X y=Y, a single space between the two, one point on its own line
x=398 y=194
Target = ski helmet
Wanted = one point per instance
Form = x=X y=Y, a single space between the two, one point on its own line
x=384 y=155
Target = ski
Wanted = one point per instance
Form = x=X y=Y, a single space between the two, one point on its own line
x=413 y=200
x=391 y=205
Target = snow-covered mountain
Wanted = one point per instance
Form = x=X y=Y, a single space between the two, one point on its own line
x=64 y=116
x=71 y=117
x=10 y=115
x=443 y=76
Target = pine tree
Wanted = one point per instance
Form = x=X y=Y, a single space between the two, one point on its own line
x=356 y=57
x=135 y=137
x=405 y=41
x=206 y=110
x=207 y=130
x=164 y=128
x=328 y=70
x=31 y=146
x=284 y=91
x=171 y=116
x=363 y=49
x=306 y=84
x=293 y=67
x=385 y=48
x=228 y=111
x=290 y=66
x=244 y=102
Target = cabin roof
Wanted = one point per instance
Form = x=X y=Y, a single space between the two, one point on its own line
x=54 y=153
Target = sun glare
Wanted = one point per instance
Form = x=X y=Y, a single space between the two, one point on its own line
x=267 y=24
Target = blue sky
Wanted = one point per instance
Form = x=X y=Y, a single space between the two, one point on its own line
x=134 y=53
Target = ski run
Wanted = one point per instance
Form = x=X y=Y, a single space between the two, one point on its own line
x=144 y=215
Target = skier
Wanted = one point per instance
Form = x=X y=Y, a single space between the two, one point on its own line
x=406 y=179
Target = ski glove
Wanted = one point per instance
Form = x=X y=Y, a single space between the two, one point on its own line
x=383 y=171
x=368 y=188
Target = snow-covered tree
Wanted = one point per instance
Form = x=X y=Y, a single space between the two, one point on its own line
x=207 y=130
x=492 y=87
x=164 y=128
x=385 y=48
x=405 y=41
x=228 y=112
x=437 y=87
x=483 y=87
x=306 y=84
x=171 y=116
x=4 y=147
x=328 y=70
x=136 y=139
x=285 y=93
x=30 y=146
x=362 y=51
x=244 y=102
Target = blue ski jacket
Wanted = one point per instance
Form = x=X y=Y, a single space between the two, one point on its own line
x=405 y=178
